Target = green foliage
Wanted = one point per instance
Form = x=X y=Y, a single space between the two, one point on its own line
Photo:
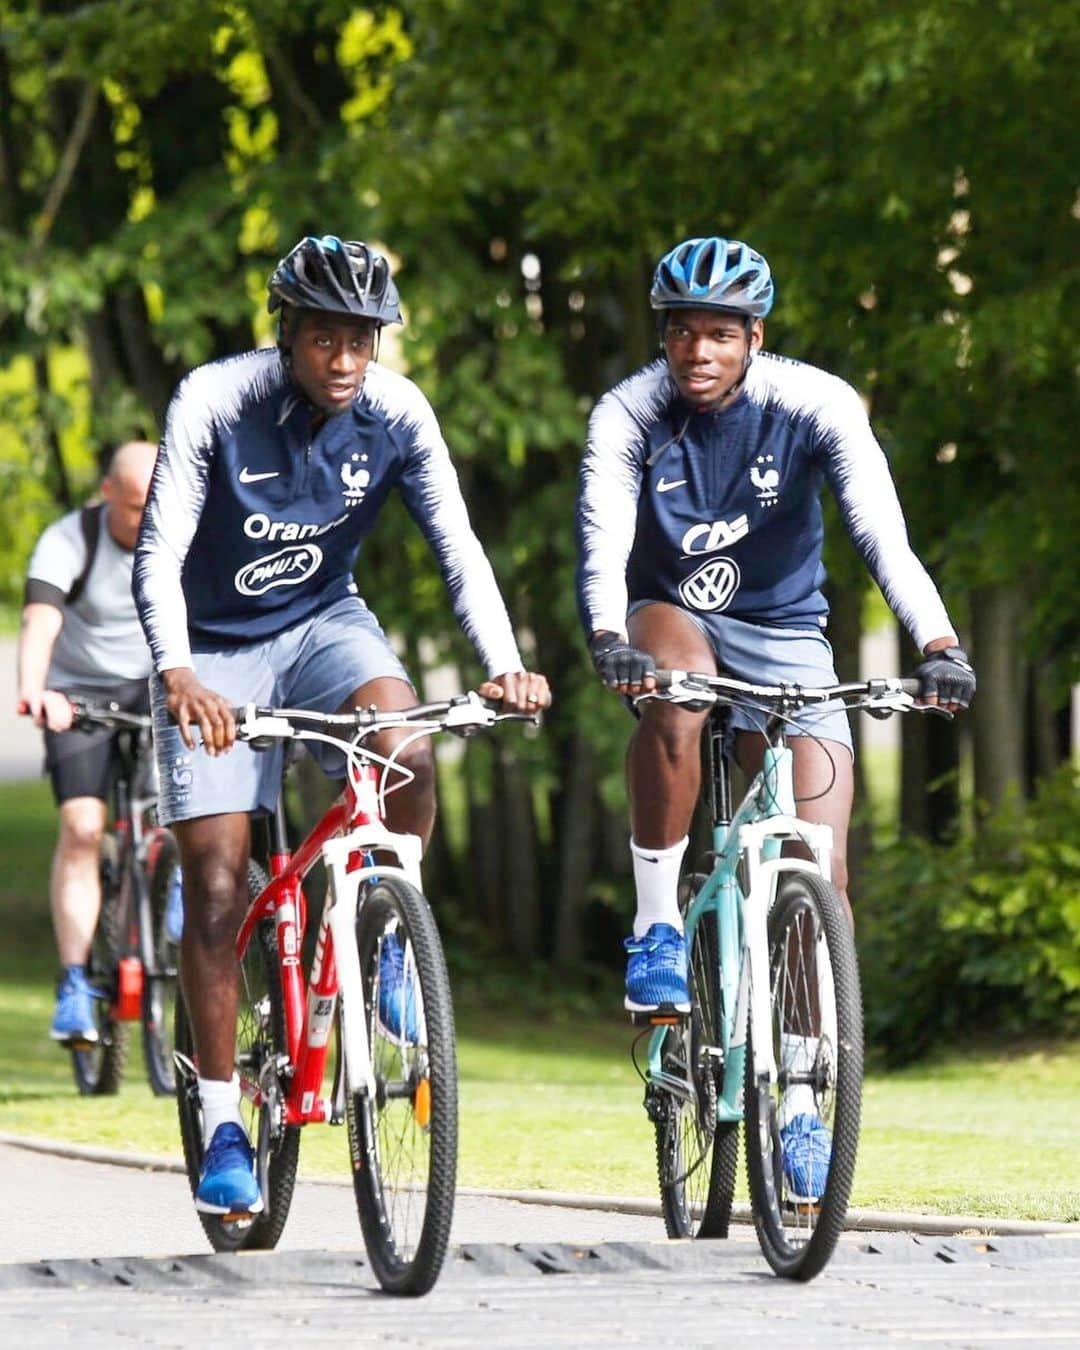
x=976 y=936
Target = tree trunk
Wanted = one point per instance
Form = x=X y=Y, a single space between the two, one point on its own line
x=574 y=843
x=518 y=863
x=998 y=710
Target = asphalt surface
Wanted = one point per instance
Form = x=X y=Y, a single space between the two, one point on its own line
x=93 y=1254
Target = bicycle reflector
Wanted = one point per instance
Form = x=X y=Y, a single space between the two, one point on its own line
x=129 y=990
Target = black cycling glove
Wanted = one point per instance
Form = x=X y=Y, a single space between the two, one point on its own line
x=617 y=662
x=948 y=674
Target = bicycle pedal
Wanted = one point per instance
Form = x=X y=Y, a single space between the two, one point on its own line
x=662 y=1017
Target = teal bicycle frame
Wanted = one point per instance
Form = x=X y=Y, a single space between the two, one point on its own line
x=755 y=833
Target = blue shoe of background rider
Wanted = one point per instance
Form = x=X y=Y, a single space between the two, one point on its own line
x=807 y=1150
x=656 y=971
x=227 y=1183
x=73 y=1021
x=396 y=992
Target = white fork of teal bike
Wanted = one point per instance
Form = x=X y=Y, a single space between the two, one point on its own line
x=763 y=823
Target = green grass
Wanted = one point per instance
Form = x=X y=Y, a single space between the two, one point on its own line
x=555 y=1104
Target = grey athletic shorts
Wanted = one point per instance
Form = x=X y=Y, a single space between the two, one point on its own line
x=769 y=655
x=314 y=665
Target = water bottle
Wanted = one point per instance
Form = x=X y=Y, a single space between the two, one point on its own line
x=174 y=907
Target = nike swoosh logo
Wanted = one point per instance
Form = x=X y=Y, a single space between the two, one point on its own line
x=663 y=486
x=246 y=476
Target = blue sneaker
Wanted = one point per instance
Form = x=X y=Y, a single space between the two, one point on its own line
x=173 y=921
x=807 y=1148
x=73 y=1021
x=396 y=992
x=227 y=1182
x=656 y=971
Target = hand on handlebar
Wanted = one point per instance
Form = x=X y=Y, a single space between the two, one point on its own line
x=622 y=667
x=191 y=704
x=519 y=691
x=946 y=680
x=49 y=709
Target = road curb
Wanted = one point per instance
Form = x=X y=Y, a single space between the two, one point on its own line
x=858 y=1220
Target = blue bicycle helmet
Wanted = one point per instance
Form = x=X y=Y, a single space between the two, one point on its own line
x=713 y=274
x=337 y=276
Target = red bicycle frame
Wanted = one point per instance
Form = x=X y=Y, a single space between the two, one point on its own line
x=309 y=1009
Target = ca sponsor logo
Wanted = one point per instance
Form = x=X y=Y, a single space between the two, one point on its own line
x=712 y=586
x=286 y=567
x=707 y=538
x=182 y=773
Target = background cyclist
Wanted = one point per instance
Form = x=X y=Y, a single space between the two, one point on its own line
x=700 y=533
x=80 y=635
x=273 y=469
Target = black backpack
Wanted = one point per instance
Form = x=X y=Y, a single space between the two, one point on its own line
x=90 y=522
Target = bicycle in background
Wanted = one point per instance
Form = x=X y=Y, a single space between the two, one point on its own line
x=775 y=1029
x=377 y=992
x=132 y=967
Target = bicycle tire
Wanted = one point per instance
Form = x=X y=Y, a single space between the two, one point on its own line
x=160 y=976
x=260 y=1035
x=696 y=1155
x=797 y=1237
x=403 y=1142
x=99 y=1069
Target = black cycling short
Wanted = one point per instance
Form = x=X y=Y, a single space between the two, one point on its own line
x=83 y=763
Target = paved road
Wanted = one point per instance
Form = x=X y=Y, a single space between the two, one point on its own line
x=138 y=1272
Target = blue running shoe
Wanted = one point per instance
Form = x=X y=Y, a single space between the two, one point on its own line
x=173 y=921
x=807 y=1148
x=656 y=971
x=396 y=992
x=74 y=1022
x=227 y=1182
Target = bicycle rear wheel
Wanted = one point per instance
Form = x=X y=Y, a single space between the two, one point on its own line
x=817 y=1039
x=696 y=1155
x=99 y=1068
x=403 y=1140
x=159 y=979
x=260 y=1037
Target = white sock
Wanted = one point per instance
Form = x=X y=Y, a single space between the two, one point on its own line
x=220 y=1104
x=656 y=879
x=797 y=1055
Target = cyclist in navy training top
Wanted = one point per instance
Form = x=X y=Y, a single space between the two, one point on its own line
x=700 y=534
x=272 y=470
x=80 y=636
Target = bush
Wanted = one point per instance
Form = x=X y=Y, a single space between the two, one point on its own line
x=981 y=935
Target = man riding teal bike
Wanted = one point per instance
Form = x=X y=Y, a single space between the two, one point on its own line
x=700 y=534
x=272 y=471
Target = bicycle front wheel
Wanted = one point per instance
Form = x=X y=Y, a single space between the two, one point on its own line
x=260 y=1039
x=802 y=1131
x=159 y=980
x=99 y=1068
x=403 y=1139
x=696 y=1154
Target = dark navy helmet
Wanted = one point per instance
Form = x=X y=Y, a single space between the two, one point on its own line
x=713 y=273
x=337 y=276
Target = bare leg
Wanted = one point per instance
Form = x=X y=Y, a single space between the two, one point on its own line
x=75 y=881
x=663 y=762
x=214 y=853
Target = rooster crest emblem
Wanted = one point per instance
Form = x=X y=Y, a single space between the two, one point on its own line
x=765 y=480
x=356 y=480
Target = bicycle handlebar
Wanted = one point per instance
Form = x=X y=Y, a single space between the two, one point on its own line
x=88 y=716
x=463 y=715
x=882 y=692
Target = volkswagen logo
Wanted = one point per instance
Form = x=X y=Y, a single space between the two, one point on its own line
x=711 y=587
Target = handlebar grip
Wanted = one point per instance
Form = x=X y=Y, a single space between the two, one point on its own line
x=910 y=686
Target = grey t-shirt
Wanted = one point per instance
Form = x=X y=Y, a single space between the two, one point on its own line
x=101 y=642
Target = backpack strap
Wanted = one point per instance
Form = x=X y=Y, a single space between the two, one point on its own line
x=90 y=523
